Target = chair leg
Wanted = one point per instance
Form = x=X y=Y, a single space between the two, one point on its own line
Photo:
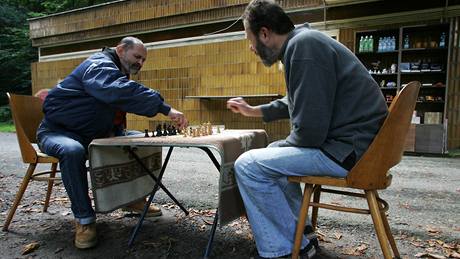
x=314 y=210
x=19 y=194
x=50 y=186
x=301 y=220
x=378 y=223
x=388 y=230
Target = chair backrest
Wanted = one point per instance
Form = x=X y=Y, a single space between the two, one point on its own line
x=27 y=115
x=387 y=148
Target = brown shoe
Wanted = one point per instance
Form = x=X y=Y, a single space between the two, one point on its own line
x=85 y=235
x=138 y=207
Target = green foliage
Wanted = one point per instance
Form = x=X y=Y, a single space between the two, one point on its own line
x=5 y=113
x=16 y=51
x=7 y=127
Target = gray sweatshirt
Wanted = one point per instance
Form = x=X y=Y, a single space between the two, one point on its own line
x=332 y=101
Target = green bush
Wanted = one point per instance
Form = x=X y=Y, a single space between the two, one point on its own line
x=5 y=114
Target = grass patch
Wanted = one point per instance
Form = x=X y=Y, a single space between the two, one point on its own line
x=7 y=127
x=454 y=153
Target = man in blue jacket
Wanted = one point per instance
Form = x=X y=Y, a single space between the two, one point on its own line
x=335 y=109
x=83 y=107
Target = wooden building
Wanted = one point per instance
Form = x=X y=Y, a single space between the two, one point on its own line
x=198 y=56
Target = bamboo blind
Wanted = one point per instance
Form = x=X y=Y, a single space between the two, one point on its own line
x=129 y=17
x=213 y=69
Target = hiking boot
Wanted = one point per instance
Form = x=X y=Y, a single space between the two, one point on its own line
x=138 y=207
x=311 y=236
x=85 y=235
x=309 y=252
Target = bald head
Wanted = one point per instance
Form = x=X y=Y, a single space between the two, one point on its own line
x=132 y=54
x=129 y=42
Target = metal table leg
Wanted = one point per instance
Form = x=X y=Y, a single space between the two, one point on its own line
x=158 y=184
x=211 y=236
x=216 y=217
x=152 y=194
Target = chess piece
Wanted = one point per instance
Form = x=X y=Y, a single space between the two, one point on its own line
x=173 y=130
x=146 y=133
x=218 y=129
x=195 y=134
x=158 y=129
x=165 y=130
x=209 y=127
x=169 y=130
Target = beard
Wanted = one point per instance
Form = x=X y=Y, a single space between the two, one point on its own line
x=132 y=69
x=267 y=55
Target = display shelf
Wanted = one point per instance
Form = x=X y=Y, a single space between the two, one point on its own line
x=422 y=72
x=419 y=53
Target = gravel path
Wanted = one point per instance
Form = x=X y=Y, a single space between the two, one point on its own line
x=424 y=215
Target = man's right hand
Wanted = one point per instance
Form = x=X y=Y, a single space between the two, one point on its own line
x=239 y=105
x=178 y=117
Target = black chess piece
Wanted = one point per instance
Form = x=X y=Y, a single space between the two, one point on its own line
x=169 y=129
x=146 y=133
x=158 y=129
x=173 y=130
x=165 y=130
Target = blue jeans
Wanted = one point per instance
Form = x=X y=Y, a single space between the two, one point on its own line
x=272 y=203
x=71 y=150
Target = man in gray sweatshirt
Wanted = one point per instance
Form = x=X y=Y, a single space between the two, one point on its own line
x=335 y=109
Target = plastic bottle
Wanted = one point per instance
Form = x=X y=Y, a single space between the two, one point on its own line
x=385 y=44
x=406 y=44
x=442 y=40
x=361 y=44
x=380 y=47
x=371 y=44
x=365 y=44
x=393 y=43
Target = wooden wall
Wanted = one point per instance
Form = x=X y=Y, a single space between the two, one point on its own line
x=138 y=16
x=212 y=69
x=453 y=90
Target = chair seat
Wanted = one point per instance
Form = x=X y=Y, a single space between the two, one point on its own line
x=44 y=158
x=320 y=180
x=332 y=181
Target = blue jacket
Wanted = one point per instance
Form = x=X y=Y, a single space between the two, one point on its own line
x=85 y=102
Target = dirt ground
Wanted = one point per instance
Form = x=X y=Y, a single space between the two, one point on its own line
x=423 y=198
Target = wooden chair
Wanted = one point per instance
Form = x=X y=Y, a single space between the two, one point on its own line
x=27 y=115
x=368 y=175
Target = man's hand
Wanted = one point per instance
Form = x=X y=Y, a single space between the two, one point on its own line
x=239 y=105
x=178 y=117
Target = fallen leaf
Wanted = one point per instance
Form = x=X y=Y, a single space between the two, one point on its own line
x=59 y=249
x=356 y=251
x=433 y=230
x=454 y=255
x=449 y=246
x=203 y=227
x=208 y=222
x=429 y=255
x=338 y=236
x=30 y=248
x=361 y=248
x=417 y=244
